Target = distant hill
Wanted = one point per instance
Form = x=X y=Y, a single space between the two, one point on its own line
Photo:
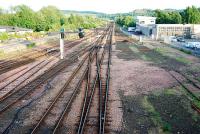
x=93 y=13
x=143 y=12
x=136 y=12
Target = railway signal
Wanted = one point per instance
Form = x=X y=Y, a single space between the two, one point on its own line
x=62 y=35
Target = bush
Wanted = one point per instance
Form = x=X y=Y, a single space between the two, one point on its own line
x=4 y=36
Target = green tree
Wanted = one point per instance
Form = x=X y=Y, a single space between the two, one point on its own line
x=191 y=15
x=51 y=16
x=129 y=21
x=41 y=24
x=164 y=17
x=62 y=21
x=24 y=16
x=120 y=20
x=175 y=18
x=47 y=19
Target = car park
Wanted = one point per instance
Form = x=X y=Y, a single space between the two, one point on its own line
x=193 y=45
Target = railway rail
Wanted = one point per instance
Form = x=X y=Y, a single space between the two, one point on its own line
x=82 y=73
x=103 y=92
x=30 y=72
x=41 y=123
x=35 y=54
x=17 y=95
x=67 y=46
x=191 y=93
x=36 y=82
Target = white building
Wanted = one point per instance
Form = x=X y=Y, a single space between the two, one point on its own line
x=145 y=24
x=162 y=30
x=148 y=27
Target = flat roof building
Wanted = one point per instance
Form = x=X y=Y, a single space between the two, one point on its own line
x=148 y=27
x=161 y=30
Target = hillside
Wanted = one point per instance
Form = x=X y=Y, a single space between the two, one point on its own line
x=92 y=13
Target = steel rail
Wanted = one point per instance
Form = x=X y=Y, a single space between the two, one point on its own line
x=9 y=93
x=85 y=108
x=87 y=87
x=43 y=77
x=61 y=92
x=103 y=117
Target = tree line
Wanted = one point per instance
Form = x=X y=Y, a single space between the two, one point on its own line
x=46 y=19
x=190 y=15
x=127 y=21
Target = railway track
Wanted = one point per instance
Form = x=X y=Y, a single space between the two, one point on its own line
x=5 y=67
x=191 y=81
x=101 y=84
x=67 y=46
x=33 y=51
x=189 y=87
x=35 y=54
x=16 y=95
x=41 y=124
x=189 y=91
x=27 y=74
x=63 y=98
x=3 y=79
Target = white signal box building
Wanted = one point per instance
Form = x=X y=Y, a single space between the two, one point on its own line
x=145 y=24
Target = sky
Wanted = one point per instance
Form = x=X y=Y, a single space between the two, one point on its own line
x=106 y=6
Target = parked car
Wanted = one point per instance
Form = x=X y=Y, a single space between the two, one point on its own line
x=180 y=39
x=131 y=29
x=173 y=39
x=138 y=32
x=197 y=45
x=193 y=36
